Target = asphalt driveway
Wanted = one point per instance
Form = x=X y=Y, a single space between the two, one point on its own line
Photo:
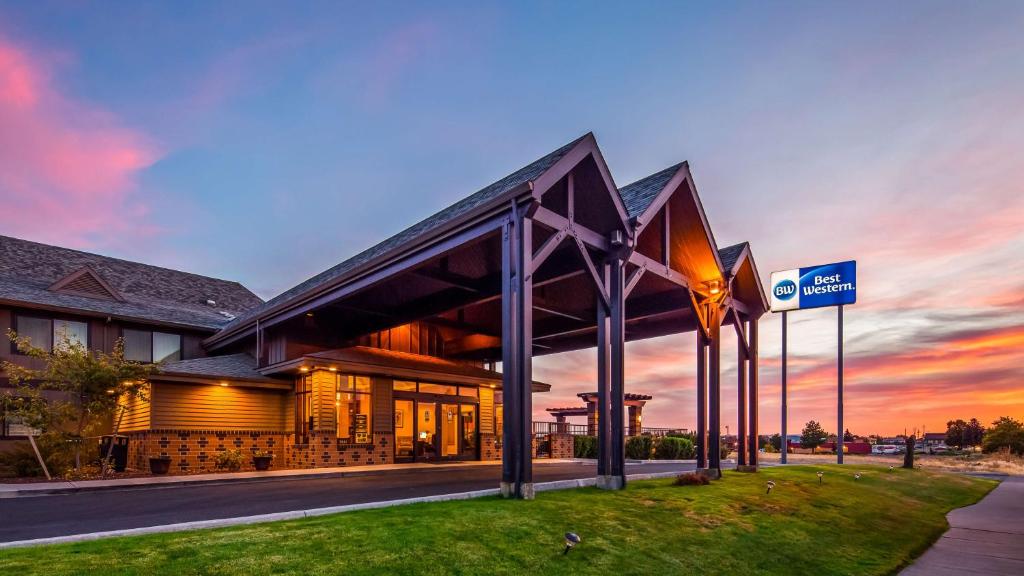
x=85 y=512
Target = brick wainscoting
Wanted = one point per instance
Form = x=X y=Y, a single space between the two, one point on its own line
x=324 y=452
x=194 y=450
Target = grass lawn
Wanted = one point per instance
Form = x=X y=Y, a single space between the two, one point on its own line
x=871 y=526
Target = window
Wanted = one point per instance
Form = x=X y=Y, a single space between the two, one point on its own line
x=437 y=389
x=146 y=346
x=45 y=332
x=469 y=392
x=404 y=386
x=354 y=411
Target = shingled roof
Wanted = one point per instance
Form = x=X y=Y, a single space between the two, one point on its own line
x=639 y=195
x=230 y=367
x=31 y=274
x=525 y=174
x=730 y=254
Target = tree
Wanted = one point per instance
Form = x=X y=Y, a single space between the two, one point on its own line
x=775 y=441
x=1005 y=433
x=848 y=436
x=975 y=433
x=956 y=433
x=77 y=392
x=812 y=435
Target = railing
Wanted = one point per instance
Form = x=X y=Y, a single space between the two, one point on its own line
x=559 y=428
x=663 y=431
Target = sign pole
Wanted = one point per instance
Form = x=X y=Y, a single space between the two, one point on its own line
x=784 y=444
x=842 y=431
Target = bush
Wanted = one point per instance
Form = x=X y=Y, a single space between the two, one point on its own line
x=230 y=460
x=692 y=479
x=21 y=462
x=584 y=447
x=723 y=451
x=674 y=448
x=639 y=447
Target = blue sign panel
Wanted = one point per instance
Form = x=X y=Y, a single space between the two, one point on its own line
x=814 y=286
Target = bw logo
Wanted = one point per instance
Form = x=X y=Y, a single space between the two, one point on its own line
x=784 y=290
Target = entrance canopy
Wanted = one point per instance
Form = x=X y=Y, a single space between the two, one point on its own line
x=446 y=270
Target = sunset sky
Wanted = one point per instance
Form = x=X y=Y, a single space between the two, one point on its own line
x=818 y=132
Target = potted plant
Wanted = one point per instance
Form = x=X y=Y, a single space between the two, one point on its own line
x=261 y=460
x=159 y=464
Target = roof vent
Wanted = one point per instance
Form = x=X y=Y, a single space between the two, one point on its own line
x=227 y=315
x=85 y=282
x=210 y=302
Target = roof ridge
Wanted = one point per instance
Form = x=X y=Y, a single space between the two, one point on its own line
x=124 y=260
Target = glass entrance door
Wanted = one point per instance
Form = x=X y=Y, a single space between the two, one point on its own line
x=405 y=430
x=449 y=430
x=467 y=424
x=426 y=435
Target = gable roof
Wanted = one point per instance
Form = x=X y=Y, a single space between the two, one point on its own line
x=239 y=366
x=638 y=196
x=37 y=275
x=730 y=255
x=417 y=231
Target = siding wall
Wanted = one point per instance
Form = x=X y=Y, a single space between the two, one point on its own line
x=210 y=407
x=324 y=409
x=137 y=415
x=383 y=406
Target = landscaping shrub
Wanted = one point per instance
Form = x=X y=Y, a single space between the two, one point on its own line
x=692 y=479
x=723 y=450
x=673 y=448
x=230 y=460
x=639 y=447
x=21 y=462
x=584 y=447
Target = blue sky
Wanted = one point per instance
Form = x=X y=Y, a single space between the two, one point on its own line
x=817 y=131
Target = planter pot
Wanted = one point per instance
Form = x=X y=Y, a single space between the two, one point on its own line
x=262 y=462
x=159 y=465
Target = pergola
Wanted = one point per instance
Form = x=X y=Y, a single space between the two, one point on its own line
x=552 y=258
x=634 y=404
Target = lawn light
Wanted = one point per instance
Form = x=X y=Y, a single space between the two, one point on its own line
x=820 y=474
x=571 y=539
x=771 y=484
x=856 y=476
x=890 y=468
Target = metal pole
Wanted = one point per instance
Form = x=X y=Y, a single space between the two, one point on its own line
x=839 y=441
x=784 y=444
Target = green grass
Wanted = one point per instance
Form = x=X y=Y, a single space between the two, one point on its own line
x=871 y=526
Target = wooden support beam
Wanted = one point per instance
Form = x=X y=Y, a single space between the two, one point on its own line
x=452 y=279
x=634 y=279
x=659 y=269
x=524 y=349
x=548 y=247
x=598 y=281
x=741 y=401
x=715 y=391
x=617 y=345
x=509 y=379
x=702 y=400
x=752 y=392
x=556 y=221
x=604 y=457
x=666 y=238
x=741 y=336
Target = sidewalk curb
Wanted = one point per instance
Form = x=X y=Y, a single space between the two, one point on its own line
x=314 y=512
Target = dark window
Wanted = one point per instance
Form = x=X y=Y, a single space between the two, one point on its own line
x=146 y=346
x=45 y=332
x=354 y=409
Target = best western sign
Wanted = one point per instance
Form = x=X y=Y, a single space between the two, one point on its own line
x=814 y=287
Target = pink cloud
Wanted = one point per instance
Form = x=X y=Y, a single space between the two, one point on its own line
x=68 y=169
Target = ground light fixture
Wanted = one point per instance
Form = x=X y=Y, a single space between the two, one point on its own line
x=771 y=484
x=820 y=474
x=856 y=476
x=571 y=540
x=890 y=468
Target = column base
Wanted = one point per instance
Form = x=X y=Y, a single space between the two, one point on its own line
x=712 y=473
x=609 y=482
x=747 y=468
x=508 y=490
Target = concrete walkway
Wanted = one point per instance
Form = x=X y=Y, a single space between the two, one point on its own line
x=986 y=538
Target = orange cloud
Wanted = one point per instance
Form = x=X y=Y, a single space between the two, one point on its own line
x=68 y=169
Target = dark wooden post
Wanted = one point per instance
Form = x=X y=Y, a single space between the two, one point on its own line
x=702 y=400
x=752 y=392
x=517 y=357
x=524 y=349
x=617 y=346
x=715 y=393
x=635 y=427
x=509 y=381
x=603 y=418
x=741 y=401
